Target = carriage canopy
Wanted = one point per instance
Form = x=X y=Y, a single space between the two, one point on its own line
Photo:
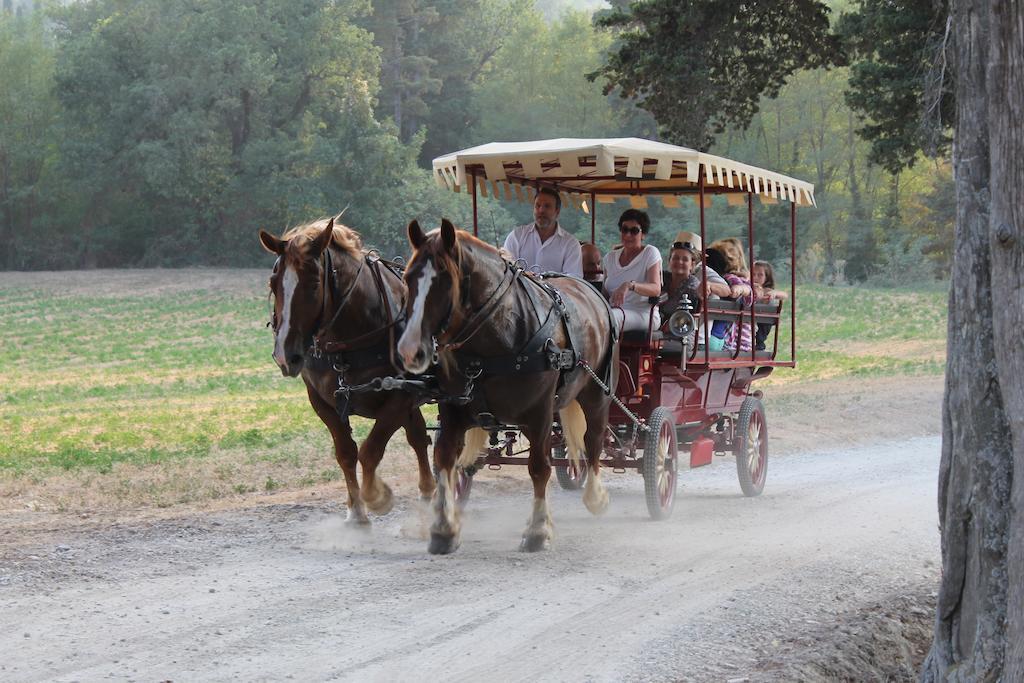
x=604 y=170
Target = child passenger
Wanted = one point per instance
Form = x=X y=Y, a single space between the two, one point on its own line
x=763 y=277
x=738 y=277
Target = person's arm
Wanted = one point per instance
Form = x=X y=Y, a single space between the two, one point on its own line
x=739 y=290
x=778 y=294
x=717 y=284
x=512 y=245
x=573 y=262
x=651 y=286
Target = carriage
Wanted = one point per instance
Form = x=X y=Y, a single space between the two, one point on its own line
x=672 y=397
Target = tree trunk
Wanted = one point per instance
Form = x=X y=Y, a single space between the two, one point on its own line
x=976 y=471
x=1006 y=241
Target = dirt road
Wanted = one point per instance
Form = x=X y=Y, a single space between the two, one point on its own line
x=718 y=592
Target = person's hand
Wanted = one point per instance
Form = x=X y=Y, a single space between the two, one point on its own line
x=736 y=291
x=619 y=295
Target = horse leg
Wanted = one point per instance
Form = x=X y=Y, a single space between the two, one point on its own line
x=345 y=452
x=580 y=437
x=416 y=435
x=595 y=495
x=540 y=530
x=376 y=494
x=444 y=531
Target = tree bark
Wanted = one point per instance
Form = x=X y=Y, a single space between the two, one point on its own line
x=977 y=466
x=1006 y=241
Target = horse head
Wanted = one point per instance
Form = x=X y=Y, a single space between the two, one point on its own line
x=434 y=278
x=297 y=285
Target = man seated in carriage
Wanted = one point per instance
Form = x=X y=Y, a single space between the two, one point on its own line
x=593 y=269
x=543 y=244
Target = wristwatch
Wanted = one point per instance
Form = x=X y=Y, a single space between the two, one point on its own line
x=632 y=285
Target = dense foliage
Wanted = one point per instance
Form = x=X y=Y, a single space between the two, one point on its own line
x=165 y=132
x=700 y=66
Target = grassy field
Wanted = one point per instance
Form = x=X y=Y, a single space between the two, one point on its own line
x=157 y=387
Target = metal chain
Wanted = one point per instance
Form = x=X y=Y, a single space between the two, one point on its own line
x=615 y=399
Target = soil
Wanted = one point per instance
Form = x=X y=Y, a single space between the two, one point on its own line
x=829 y=575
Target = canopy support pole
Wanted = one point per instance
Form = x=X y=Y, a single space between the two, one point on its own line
x=593 y=217
x=792 y=283
x=472 y=178
x=703 y=268
x=750 y=274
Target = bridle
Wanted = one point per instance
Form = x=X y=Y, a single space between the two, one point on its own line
x=468 y=330
x=321 y=343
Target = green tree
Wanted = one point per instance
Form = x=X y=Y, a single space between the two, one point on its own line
x=536 y=88
x=195 y=123
x=700 y=67
x=900 y=84
x=28 y=119
x=434 y=56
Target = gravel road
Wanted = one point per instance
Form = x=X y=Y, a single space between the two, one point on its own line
x=289 y=592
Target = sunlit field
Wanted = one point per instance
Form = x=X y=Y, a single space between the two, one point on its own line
x=109 y=374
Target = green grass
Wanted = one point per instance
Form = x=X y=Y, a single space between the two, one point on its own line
x=90 y=380
x=858 y=332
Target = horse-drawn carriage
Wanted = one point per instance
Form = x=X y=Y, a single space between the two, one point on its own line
x=669 y=395
x=502 y=350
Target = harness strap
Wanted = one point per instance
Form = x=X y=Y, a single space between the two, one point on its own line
x=480 y=317
x=329 y=270
x=539 y=353
x=333 y=346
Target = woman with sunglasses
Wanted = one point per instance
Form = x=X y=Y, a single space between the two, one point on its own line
x=632 y=273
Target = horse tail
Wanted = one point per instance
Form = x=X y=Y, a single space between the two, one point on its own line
x=574 y=426
x=476 y=438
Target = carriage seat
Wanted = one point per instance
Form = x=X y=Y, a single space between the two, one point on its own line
x=640 y=336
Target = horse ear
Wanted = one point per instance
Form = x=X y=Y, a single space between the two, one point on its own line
x=448 y=234
x=416 y=236
x=271 y=243
x=323 y=240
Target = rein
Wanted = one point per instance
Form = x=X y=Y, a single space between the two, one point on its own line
x=476 y=323
x=320 y=345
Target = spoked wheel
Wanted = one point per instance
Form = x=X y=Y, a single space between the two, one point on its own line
x=571 y=477
x=751 y=447
x=660 y=464
x=463 y=485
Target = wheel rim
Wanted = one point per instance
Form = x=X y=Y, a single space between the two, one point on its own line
x=666 y=471
x=755 y=448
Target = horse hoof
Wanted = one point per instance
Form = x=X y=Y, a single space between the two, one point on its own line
x=598 y=506
x=382 y=503
x=357 y=522
x=442 y=545
x=534 y=543
x=382 y=506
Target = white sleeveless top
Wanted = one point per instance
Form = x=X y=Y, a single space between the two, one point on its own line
x=615 y=275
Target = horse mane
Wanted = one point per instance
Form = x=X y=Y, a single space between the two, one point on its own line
x=435 y=247
x=344 y=237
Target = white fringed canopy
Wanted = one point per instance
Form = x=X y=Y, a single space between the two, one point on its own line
x=610 y=169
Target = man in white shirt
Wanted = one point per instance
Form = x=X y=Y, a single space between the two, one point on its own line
x=544 y=245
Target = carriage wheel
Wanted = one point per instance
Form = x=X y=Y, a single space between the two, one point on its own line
x=660 y=463
x=571 y=477
x=463 y=486
x=751 y=447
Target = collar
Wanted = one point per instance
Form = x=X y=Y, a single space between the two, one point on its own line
x=559 y=232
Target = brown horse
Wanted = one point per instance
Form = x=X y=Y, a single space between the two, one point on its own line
x=511 y=348
x=336 y=308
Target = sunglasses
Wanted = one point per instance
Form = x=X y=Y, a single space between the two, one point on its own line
x=684 y=245
x=629 y=230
